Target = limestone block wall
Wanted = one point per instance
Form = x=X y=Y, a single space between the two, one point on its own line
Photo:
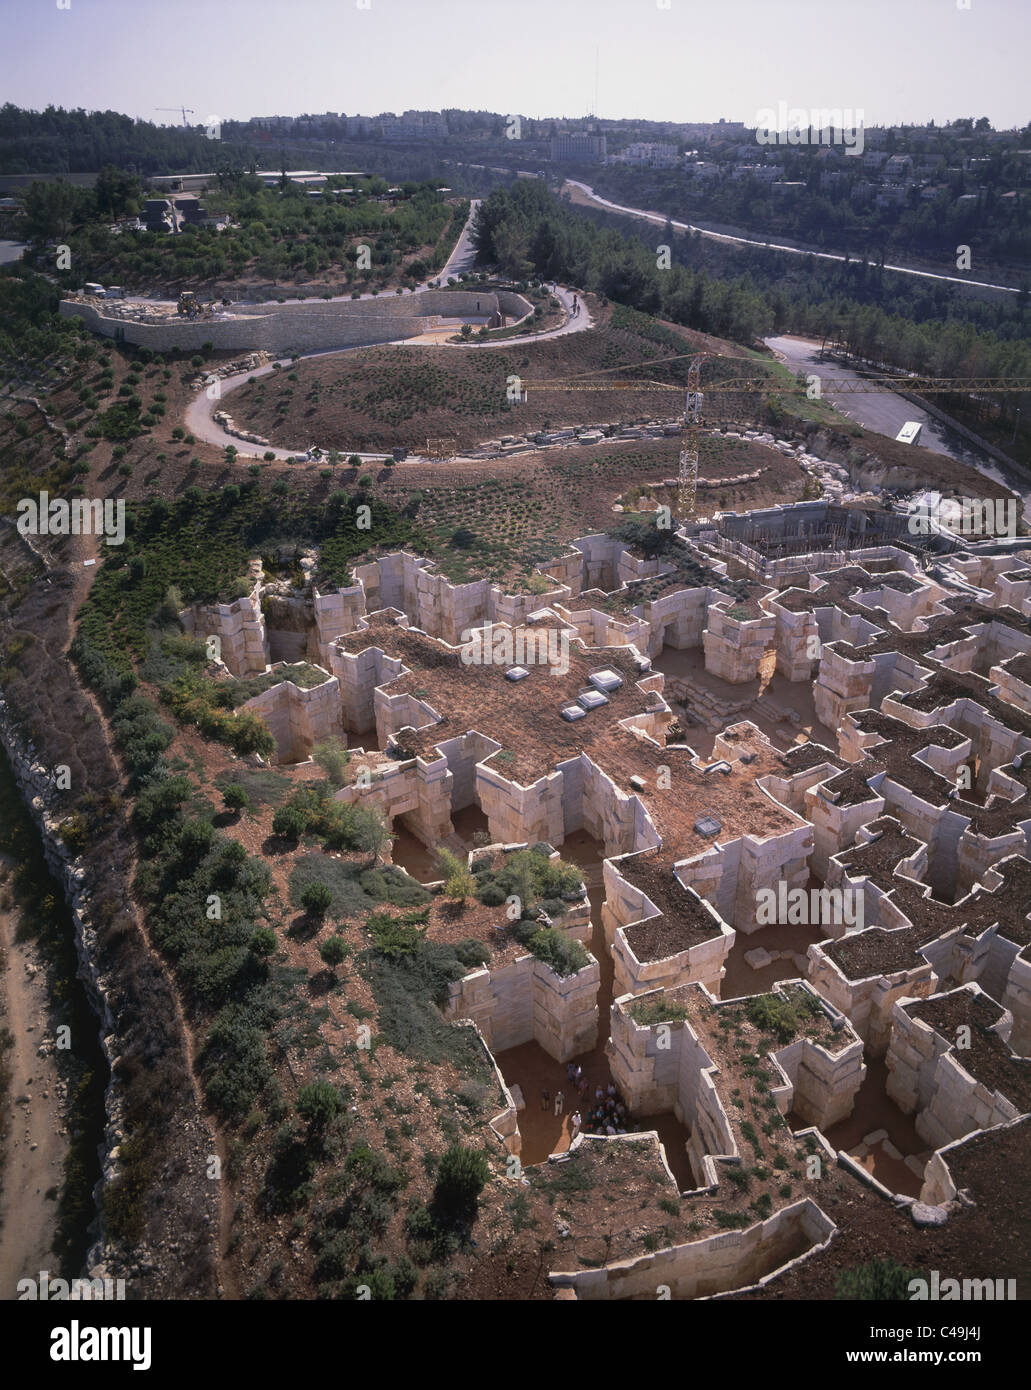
x=895 y=671
x=926 y=1078
x=298 y=718
x=867 y=1003
x=677 y=620
x=937 y=826
x=618 y=820
x=516 y=814
x=841 y=686
x=383 y=581
x=791 y=791
x=698 y=1107
x=794 y=638
x=1012 y=589
x=734 y=649
x=601 y=558
x=939 y=1186
x=977 y=853
x=240 y=629
x=903 y=608
x=418 y=789
x=565 y=1010
x=645 y=1065
x=989 y=644
x=289 y=627
x=515 y=609
x=567 y=571
x=296 y=326
x=336 y=612
x=577 y=795
x=994 y=743
x=528 y=1002
x=664 y=1067
x=703 y=963
x=1010 y=687
x=824 y=1081
x=730 y=873
x=718 y=1264
x=360 y=675
x=395 y=712
x=1016 y=997
x=836 y=826
x=462 y=755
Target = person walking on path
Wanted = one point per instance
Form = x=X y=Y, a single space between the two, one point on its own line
x=558 y=1102
x=575 y=1123
x=545 y=1098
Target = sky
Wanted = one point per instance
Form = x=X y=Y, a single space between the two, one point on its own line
x=679 y=60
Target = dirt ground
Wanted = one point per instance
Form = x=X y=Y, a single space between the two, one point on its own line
x=37 y=1143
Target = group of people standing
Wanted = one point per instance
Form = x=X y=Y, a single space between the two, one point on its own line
x=607 y=1115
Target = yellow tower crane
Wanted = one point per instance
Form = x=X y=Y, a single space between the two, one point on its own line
x=691 y=422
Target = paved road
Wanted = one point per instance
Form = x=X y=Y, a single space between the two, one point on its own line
x=886 y=412
x=661 y=219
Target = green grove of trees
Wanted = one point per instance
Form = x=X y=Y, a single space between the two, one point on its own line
x=527 y=231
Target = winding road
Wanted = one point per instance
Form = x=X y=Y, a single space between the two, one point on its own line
x=886 y=412
x=661 y=219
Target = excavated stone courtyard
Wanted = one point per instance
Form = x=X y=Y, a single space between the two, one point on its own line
x=859 y=733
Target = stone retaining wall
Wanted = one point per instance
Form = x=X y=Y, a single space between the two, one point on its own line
x=294 y=326
x=926 y=1078
x=528 y=1002
x=720 y=1263
x=298 y=718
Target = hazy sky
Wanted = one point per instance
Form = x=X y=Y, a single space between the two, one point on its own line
x=895 y=60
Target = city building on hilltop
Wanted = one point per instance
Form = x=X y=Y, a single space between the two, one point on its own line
x=579 y=148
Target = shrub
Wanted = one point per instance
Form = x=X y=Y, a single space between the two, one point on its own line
x=334 y=951
x=332 y=756
x=235 y=798
x=317 y=898
x=562 y=953
x=650 y=1011
x=781 y=1014
x=461 y=1177
x=318 y=1103
x=289 y=822
x=264 y=942
x=883 y=1281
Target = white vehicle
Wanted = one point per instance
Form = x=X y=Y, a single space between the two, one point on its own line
x=910 y=432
